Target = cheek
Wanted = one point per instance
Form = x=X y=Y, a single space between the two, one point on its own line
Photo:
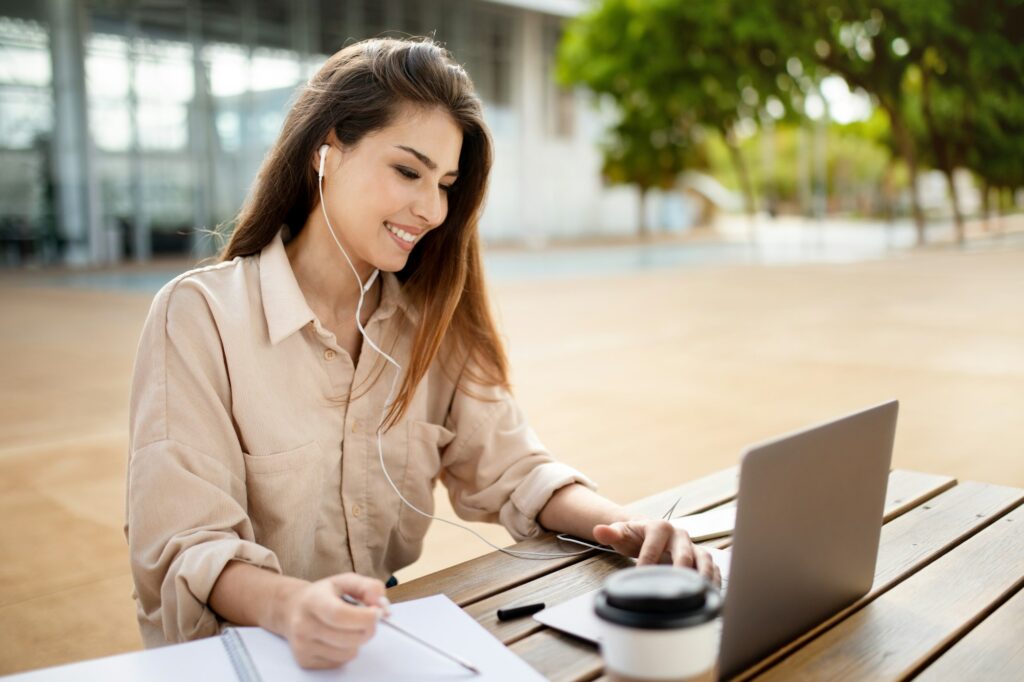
x=390 y=194
x=372 y=196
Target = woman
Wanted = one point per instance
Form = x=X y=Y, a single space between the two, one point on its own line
x=256 y=491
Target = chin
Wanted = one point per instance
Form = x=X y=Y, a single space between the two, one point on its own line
x=391 y=263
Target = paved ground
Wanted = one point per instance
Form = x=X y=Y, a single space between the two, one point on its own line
x=642 y=378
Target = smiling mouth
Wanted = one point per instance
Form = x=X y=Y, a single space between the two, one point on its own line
x=400 y=233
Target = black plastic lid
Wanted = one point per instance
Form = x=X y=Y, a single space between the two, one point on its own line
x=658 y=598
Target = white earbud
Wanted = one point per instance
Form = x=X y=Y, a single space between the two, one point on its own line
x=323 y=157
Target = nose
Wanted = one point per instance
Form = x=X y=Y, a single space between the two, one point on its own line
x=431 y=207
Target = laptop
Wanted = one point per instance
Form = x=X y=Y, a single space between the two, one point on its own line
x=808 y=521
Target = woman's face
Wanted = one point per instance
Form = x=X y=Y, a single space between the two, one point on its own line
x=391 y=188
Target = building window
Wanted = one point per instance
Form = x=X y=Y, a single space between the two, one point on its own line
x=559 y=101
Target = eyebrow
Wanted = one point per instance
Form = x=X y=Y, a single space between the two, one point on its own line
x=424 y=159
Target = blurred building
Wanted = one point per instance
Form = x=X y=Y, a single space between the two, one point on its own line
x=127 y=124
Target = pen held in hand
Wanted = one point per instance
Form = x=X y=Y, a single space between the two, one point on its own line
x=348 y=599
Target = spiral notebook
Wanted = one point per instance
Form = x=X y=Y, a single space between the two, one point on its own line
x=256 y=655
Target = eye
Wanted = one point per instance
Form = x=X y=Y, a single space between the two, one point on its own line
x=407 y=172
x=447 y=189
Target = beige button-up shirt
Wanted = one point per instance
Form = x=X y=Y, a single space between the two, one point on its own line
x=243 y=447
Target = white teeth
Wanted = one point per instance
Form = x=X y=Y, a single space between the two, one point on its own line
x=405 y=236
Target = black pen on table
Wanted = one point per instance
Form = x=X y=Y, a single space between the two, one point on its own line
x=520 y=611
x=348 y=599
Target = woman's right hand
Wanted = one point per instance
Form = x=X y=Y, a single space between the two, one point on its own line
x=324 y=631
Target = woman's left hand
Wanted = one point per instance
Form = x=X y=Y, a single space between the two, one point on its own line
x=656 y=542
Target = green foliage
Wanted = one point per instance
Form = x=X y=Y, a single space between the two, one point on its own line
x=649 y=150
x=857 y=157
x=673 y=69
x=686 y=76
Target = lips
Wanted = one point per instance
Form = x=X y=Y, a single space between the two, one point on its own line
x=405 y=239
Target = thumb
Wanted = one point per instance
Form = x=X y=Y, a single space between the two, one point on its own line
x=608 y=535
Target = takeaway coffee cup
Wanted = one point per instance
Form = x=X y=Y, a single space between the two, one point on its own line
x=659 y=623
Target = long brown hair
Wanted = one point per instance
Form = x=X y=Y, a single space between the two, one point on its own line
x=357 y=91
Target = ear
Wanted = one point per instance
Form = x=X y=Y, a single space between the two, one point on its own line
x=323 y=152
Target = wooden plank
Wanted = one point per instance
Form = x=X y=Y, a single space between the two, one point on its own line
x=551 y=589
x=694 y=496
x=908 y=489
x=901 y=630
x=558 y=657
x=489 y=574
x=495 y=572
x=992 y=651
x=912 y=541
x=905 y=491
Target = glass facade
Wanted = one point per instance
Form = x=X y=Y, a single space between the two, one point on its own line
x=182 y=98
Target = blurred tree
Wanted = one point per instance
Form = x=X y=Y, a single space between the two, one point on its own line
x=649 y=150
x=865 y=42
x=971 y=54
x=946 y=73
x=858 y=158
x=990 y=69
x=703 y=64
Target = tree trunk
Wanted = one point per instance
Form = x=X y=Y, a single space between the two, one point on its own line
x=740 y=167
x=642 y=213
x=941 y=150
x=909 y=153
x=958 y=218
x=986 y=204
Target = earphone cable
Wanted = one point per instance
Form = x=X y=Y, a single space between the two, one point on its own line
x=521 y=554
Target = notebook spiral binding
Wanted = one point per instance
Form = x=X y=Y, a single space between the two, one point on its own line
x=239 y=655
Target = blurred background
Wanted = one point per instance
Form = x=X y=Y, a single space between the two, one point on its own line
x=709 y=222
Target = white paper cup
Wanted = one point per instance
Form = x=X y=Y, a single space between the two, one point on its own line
x=659 y=623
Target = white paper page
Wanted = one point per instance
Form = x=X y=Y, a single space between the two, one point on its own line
x=392 y=657
x=576 y=616
x=199 y=661
x=713 y=523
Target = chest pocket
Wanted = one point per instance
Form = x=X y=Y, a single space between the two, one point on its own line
x=283 y=492
x=422 y=468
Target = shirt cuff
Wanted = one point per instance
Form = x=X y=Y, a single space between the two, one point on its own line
x=200 y=566
x=519 y=514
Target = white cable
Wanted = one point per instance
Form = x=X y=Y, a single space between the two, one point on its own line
x=387 y=403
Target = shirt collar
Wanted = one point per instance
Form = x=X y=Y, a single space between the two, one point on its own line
x=284 y=304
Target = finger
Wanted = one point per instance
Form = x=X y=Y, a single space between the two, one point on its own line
x=620 y=537
x=338 y=615
x=319 y=655
x=657 y=538
x=705 y=566
x=367 y=590
x=314 y=663
x=340 y=637
x=683 y=551
x=718 y=576
x=607 y=535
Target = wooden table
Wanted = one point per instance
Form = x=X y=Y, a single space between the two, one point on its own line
x=946 y=602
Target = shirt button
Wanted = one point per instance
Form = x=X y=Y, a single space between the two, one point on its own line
x=356 y=511
x=329 y=354
x=356 y=425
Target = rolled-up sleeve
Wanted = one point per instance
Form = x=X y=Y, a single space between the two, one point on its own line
x=186 y=514
x=496 y=468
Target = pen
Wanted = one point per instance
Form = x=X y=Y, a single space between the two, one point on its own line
x=348 y=599
x=520 y=611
